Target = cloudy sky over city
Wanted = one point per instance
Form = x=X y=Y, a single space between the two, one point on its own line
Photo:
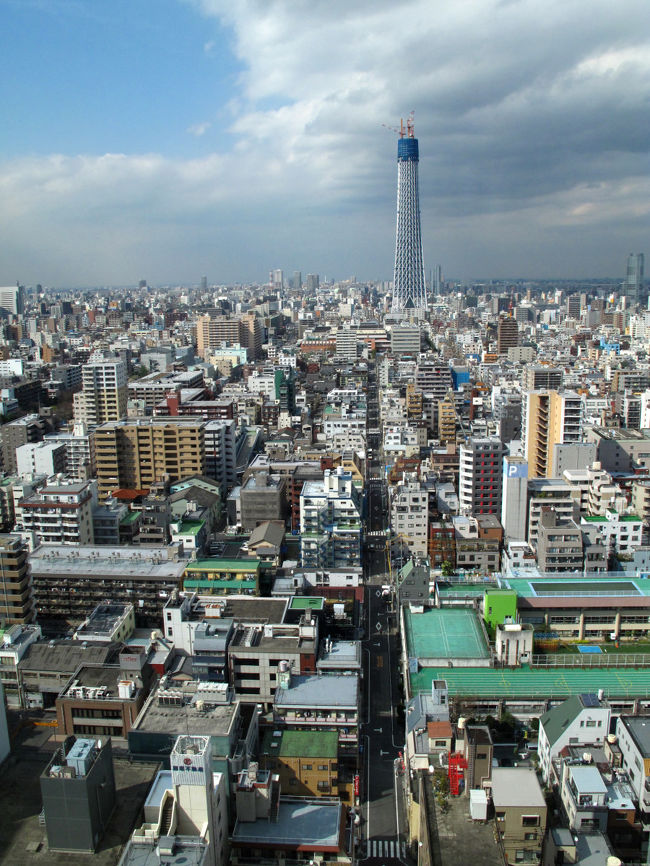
x=168 y=139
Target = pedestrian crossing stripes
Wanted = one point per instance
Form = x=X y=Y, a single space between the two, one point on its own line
x=386 y=848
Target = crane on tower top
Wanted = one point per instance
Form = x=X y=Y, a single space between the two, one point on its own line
x=407 y=130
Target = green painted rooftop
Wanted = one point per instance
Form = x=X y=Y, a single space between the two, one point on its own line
x=302 y=744
x=532 y=683
x=458 y=590
x=445 y=633
x=189 y=583
x=305 y=602
x=626 y=518
x=224 y=565
x=191 y=527
x=609 y=584
x=131 y=517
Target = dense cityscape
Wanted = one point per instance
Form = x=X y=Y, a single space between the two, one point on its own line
x=327 y=571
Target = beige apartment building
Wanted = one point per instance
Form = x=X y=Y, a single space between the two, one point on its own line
x=213 y=331
x=549 y=418
x=520 y=813
x=16 y=595
x=138 y=453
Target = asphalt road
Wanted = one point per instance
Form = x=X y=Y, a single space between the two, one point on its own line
x=383 y=813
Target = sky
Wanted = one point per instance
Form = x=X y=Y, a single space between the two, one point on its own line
x=170 y=139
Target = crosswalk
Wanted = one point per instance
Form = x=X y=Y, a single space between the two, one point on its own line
x=386 y=849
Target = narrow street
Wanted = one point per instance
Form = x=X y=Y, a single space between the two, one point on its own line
x=382 y=830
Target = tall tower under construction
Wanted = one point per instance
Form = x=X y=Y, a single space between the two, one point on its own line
x=409 y=287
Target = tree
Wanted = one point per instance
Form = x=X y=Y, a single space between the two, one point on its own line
x=447 y=568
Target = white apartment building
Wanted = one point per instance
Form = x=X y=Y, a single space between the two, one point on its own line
x=61 y=513
x=330 y=522
x=553 y=493
x=223 y=439
x=410 y=514
x=47 y=458
x=401 y=441
x=619 y=533
x=633 y=734
x=104 y=392
x=79 y=451
x=582 y=720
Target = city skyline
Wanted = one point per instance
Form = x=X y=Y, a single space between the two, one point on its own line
x=207 y=138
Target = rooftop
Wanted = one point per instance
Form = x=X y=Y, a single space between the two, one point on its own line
x=66 y=655
x=98 y=682
x=588 y=780
x=516 y=786
x=551 y=683
x=333 y=690
x=306 y=602
x=557 y=719
x=301 y=744
x=308 y=823
x=176 y=710
x=449 y=633
x=97 y=560
x=639 y=728
x=185 y=850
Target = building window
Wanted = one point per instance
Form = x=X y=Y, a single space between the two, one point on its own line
x=530 y=820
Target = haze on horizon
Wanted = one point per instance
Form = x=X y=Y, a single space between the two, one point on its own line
x=167 y=139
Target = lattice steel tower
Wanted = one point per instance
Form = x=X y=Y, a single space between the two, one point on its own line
x=409 y=287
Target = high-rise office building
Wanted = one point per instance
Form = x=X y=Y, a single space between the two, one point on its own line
x=507 y=334
x=633 y=285
x=12 y=300
x=104 y=392
x=277 y=278
x=409 y=286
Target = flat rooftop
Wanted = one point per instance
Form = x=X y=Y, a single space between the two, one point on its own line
x=103 y=620
x=300 y=744
x=66 y=655
x=186 y=851
x=104 y=677
x=625 y=589
x=300 y=822
x=639 y=728
x=516 y=786
x=445 y=633
x=341 y=654
x=145 y=563
x=215 y=720
x=332 y=690
x=549 y=683
x=23 y=840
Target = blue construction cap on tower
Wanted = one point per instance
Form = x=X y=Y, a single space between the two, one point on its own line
x=407 y=148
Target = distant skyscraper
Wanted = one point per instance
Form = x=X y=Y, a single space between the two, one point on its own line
x=277 y=278
x=633 y=285
x=409 y=287
x=12 y=299
x=204 y=283
x=507 y=334
x=297 y=280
